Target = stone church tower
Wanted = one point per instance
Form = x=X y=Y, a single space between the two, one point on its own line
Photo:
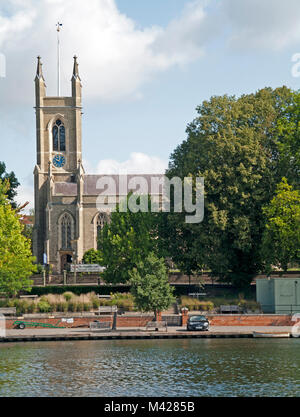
x=57 y=232
x=67 y=220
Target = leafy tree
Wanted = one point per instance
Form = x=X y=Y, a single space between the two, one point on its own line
x=13 y=183
x=288 y=141
x=125 y=241
x=149 y=285
x=281 y=238
x=16 y=261
x=232 y=145
x=92 y=257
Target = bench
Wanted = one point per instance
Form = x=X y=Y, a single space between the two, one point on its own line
x=107 y=310
x=197 y=294
x=156 y=325
x=11 y=311
x=28 y=297
x=97 y=325
x=230 y=309
x=104 y=297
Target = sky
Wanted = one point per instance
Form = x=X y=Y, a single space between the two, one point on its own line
x=145 y=67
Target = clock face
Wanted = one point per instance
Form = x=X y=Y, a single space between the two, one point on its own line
x=59 y=161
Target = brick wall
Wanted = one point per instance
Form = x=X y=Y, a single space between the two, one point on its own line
x=141 y=321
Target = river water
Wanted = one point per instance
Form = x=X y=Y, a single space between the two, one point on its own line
x=205 y=367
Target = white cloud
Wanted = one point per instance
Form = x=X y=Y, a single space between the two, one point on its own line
x=138 y=163
x=25 y=194
x=262 y=24
x=116 y=57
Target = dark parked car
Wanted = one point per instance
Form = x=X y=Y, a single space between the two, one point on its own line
x=198 y=323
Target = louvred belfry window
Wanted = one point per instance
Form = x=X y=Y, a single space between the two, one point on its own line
x=66 y=232
x=59 y=137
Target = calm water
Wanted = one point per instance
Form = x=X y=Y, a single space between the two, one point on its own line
x=222 y=367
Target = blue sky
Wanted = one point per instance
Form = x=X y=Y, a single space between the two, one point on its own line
x=145 y=66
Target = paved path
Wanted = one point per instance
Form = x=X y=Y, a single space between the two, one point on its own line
x=171 y=330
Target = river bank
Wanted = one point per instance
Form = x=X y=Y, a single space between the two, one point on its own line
x=69 y=334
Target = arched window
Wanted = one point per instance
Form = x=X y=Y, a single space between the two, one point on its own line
x=101 y=222
x=66 y=232
x=59 y=137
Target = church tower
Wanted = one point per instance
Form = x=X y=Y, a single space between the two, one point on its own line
x=59 y=156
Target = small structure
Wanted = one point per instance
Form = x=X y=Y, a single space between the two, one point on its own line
x=278 y=295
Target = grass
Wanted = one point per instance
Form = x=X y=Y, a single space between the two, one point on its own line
x=213 y=303
x=68 y=302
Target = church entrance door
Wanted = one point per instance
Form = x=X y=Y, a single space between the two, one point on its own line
x=65 y=261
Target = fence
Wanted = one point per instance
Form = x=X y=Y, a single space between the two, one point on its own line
x=280 y=308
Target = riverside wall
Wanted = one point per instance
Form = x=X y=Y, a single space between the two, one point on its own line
x=136 y=321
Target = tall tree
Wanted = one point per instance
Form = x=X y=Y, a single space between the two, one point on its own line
x=125 y=241
x=16 y=261
x=150 y=286
x=281 y=238
x=13 y=183
x=231 y=144
x=288 y=141
x=92 y=257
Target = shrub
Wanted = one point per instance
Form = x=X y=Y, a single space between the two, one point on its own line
x=63 y=307
x=125 y=301
x=68 y=296
x=249 y=305
x=87 y=306
x=96 y=302
x=80 y=306
x=31 y=308
x=72 y=306
x=44 y=306
x=197 y=305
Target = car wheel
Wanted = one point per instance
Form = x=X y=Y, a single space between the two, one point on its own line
x=22 y=326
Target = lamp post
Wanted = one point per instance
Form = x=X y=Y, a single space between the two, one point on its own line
x=75 y=262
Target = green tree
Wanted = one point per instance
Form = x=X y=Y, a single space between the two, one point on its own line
x=149 y=285
x=288 y=141
x=281 y=238
x=231 y=144
x=125 y=241
x=92 y=257
x=13 y=183
x=16 y=261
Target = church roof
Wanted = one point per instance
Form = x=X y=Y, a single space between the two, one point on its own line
x=110 y=185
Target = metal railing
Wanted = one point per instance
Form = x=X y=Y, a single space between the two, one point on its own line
x=281 y=308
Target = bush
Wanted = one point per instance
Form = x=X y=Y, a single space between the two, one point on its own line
x=68 y=296
x=196 y=305
x=44 y=306
x=95 y=302
x=125 y=301
x=87 y=307
x=72 y=306
x=248 y=305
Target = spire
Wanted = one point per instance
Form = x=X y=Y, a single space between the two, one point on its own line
x=40 y=85
x=76 y=69
x=76 y=83
x=39 y=71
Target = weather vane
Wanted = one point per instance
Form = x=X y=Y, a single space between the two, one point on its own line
x=58 y=28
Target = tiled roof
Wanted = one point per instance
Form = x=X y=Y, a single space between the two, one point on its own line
x=110 y=185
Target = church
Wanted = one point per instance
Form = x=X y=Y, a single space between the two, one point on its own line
x=67 y=216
